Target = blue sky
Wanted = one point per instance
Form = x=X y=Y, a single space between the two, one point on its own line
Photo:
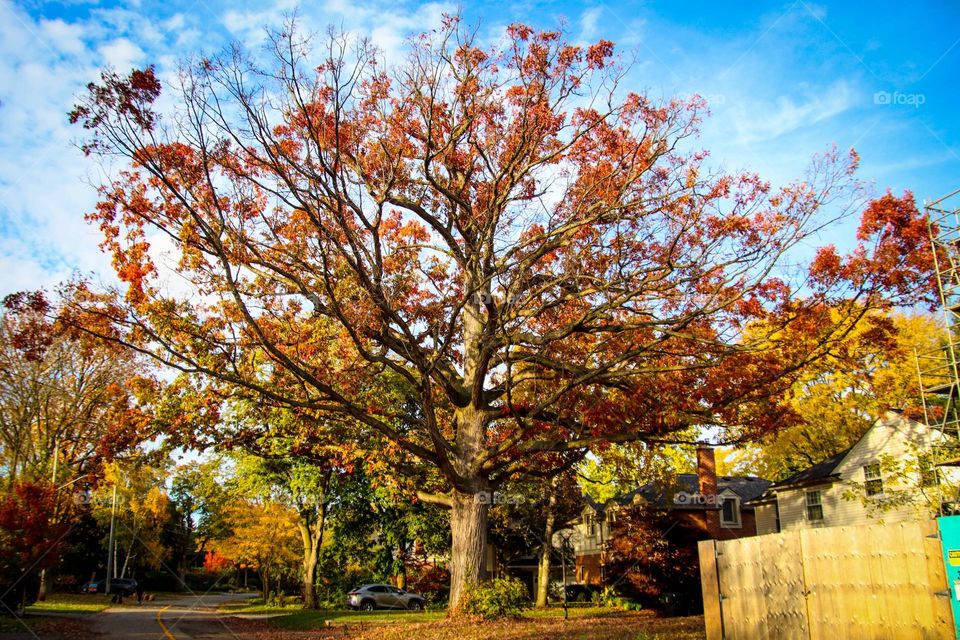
x=784 y=80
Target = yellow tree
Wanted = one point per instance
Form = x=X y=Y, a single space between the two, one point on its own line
x=835 y=403
x=265 y=536
x=140 y=511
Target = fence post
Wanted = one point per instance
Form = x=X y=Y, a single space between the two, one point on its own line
x=710 y=583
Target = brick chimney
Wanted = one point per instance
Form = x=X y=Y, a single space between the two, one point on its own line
x=706 y=470
x=707 y=486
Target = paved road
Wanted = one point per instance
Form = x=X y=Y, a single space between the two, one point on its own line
x=184 y=618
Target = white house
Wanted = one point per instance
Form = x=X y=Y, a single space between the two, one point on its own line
x=888 y=476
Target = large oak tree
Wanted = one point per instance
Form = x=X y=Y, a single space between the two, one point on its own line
x=536 y=253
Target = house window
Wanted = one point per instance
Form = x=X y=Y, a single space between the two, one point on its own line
x=591 y=526
x=730 y=512
x=872 y=479
x=815 y=506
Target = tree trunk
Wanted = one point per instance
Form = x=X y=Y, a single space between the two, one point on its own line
x=44 y=585
x=187 y=546
x=309 y=583
x=468 y=524
x=546 y=549
x=311 y=532
x=470 y=502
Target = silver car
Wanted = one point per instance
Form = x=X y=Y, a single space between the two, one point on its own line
x=383 y=596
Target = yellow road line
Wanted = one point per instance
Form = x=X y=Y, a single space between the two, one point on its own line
x=166 y=631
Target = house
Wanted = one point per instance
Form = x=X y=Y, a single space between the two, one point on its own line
x=887 y=475
x=711 y=506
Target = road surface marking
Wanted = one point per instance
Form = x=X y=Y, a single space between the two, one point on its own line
x=163 y=626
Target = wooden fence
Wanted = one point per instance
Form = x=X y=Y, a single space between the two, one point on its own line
x=883 y=581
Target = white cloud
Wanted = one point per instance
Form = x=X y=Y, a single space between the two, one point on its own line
x=589 y=20
x=121 y=54
x=66 y=38
x=757 y=120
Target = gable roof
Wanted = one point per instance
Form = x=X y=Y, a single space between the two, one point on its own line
x=820 y=472
x=662 y=495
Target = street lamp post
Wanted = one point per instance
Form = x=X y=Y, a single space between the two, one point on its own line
x=113 y=517
x=565 y=540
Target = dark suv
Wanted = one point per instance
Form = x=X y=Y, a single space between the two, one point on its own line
x=123 y=586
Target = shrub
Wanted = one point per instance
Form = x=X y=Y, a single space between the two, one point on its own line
x=503 y=597
x=610 y=598
x=431 y=582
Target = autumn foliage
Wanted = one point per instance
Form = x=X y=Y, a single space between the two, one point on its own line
x=30 y=534
x=532 y=260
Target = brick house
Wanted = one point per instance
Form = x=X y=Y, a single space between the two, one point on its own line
x=710 y=506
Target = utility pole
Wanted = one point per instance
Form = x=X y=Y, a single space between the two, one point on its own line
x=110 y=552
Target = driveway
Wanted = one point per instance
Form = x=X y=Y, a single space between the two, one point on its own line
x=182 y=618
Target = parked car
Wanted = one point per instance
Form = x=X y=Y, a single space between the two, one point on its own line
x=124 y=586
x=581 y=592
x=384 y=596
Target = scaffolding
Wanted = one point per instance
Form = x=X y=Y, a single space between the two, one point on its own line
x=938 y=370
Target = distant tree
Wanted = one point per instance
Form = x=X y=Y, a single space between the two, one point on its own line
x=307 y=488
x=199 y=498
x=524 y=516
x=383 y=529
x=264 y=537
x=140 y=514
x=620 y=468
x=67 y=400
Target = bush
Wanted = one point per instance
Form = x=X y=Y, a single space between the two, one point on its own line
x=610 y=598
x=503 y=597
x=433 y=583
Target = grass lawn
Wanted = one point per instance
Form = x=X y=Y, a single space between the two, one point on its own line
x=307 y=620
x=71 y=603
x=38 y=623
x=587 y=623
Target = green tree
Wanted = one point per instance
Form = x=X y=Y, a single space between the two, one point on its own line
x=307 y=489
x=199 y=497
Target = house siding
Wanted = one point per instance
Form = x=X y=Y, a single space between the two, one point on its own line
x=893 y=436
x=588 y=569
x=766 y=518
